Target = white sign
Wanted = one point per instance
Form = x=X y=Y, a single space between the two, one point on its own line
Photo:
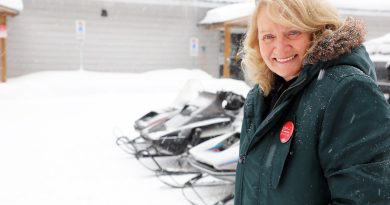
x=80 y=30
x=194 y=47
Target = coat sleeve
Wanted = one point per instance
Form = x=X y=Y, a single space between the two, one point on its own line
x=354 y=143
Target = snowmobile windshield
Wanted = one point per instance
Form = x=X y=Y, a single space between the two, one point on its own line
x=193 y=110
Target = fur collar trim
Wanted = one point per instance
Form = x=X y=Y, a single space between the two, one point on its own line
x=333 y=44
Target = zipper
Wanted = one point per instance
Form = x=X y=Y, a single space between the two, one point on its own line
x=277 y=101
x=290 y=88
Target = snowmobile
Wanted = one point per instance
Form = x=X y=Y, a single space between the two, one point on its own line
x=210 y=115
x=213 y=177
x=155 y=117
x=212 y=163
x=217 y=158
x=183 y=103
x=207 y=116
x=189 y=92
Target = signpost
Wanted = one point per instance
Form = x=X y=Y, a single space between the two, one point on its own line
x=80 y=36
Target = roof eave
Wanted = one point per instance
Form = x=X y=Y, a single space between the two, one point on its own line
x=8 y=11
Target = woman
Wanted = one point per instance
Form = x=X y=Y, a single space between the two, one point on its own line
x=316 y=127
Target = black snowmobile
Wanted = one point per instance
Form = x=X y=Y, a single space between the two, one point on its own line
x=207 y=116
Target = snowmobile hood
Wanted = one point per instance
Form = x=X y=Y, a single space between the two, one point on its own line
x=167 y=131
x=209 y=153
x=342 y=47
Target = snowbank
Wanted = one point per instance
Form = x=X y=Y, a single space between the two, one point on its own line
x=58 y=128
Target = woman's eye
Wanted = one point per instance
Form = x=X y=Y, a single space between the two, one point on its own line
x=267 y=37
x=293 y=34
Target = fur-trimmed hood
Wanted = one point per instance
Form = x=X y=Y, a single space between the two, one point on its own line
x=342 y=47
x=331 y=45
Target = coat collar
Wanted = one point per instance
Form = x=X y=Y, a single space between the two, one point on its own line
x=332 y=44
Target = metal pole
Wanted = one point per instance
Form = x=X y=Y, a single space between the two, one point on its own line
x=81 y=56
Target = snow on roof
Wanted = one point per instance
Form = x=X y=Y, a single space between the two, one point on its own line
x=193 y=3
x=15 y=5
x=225 y=1
x=346 y=7
x=383 y=39
x=228 y=13
x=363 y=7
x=379 y=46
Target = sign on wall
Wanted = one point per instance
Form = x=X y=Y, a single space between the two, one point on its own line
x=80 y=30
x=194 y=47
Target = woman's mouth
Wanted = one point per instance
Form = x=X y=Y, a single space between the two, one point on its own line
x=284 y=60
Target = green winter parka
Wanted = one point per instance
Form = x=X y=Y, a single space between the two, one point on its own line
x=339 y=151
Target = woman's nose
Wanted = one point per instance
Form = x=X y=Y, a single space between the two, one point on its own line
x=282 y=45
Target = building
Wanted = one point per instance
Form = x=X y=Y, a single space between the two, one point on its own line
x=142 y=35
x=7 y=8
x=112 y=35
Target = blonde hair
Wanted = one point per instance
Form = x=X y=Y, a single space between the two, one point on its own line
x=315 y=16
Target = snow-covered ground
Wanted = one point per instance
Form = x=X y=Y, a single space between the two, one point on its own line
x=57 y=143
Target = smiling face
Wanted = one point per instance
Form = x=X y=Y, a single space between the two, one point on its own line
x=282 y=48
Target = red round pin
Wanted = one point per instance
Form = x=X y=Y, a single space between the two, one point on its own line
x=286 y=132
